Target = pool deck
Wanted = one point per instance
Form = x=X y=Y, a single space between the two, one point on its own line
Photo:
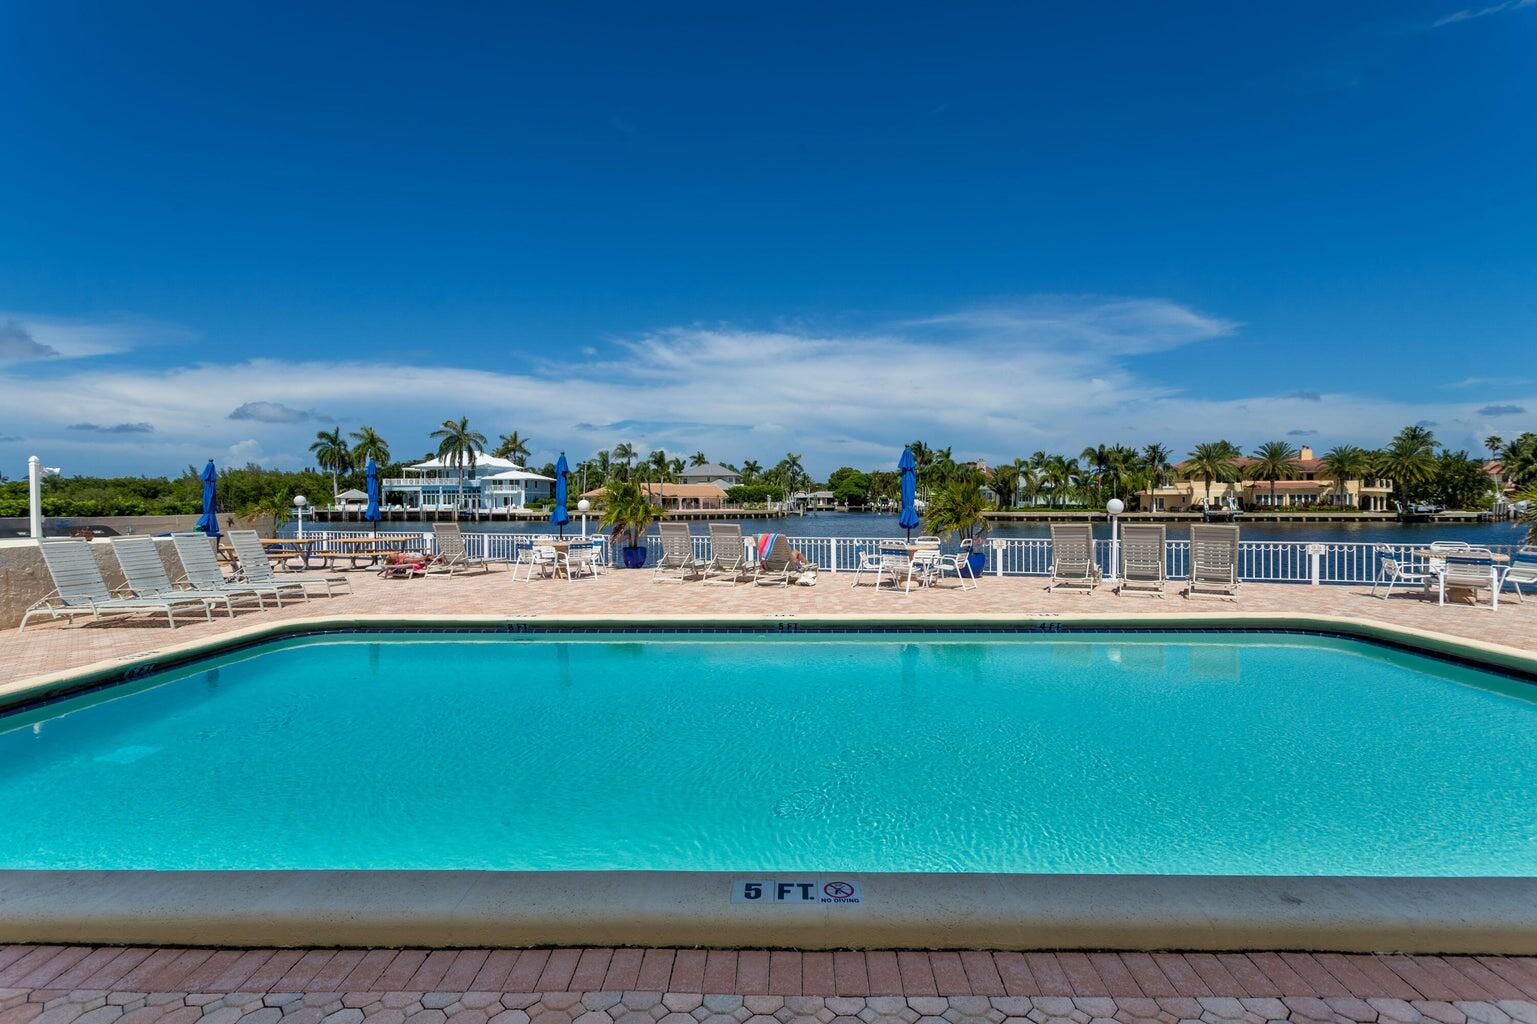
x=143 y=985
x=452 y=909
x=47 y=648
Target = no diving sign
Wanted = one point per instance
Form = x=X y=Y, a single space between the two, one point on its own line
x=832 y=891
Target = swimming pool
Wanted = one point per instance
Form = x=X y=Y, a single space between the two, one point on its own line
x=1120 y=753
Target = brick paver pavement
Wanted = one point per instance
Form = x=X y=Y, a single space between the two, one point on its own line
x=50 y=647
x=84 y=985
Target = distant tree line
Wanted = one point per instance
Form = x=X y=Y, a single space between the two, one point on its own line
x=1419 y=466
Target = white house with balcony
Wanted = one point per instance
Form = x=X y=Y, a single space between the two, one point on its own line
x=491 y=485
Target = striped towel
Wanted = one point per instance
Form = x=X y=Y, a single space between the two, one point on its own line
x=766 y=544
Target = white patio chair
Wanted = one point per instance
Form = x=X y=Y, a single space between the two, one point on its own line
x=547 y=558
x=582 y=560
x=1394 y=571
x=923 y=567
x=960 y=564
x=869 y=561
x=1522 y=571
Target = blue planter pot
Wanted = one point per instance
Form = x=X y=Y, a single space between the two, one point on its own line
x=978 y=561
x=635 y=558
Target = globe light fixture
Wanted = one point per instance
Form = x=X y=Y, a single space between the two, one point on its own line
x=299 y=502
x=1115 y=506
x=583 y=506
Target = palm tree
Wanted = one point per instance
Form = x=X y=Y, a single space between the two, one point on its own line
x=1211 y=462
x=659 y=465
x=624 y=452
x=1156 y=458
x=750 y=471
x=512 y=446
x=676 y=467
x=1273 y=461
x=1494 y=442
x=1519 y=461
x=1062 y=475
x=1005 y=484
x=457 y=446
x=1029 y=486
x=331 y=453
x=603 y=466
x=1409 y=461
x=697 y=459
x=367 y=444
x=1344 y=463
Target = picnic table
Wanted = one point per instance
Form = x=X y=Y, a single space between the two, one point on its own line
x=360 y=552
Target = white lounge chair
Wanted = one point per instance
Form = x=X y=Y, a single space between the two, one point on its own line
x=453 y=557
x=145 y=576
x=678 y=562
x=1072 y=558
x=728 y=554
x=1143 y=560
x=200 y=570
x=777 y=565
x=80 y=589
x=256 y=567
x=1213 y=562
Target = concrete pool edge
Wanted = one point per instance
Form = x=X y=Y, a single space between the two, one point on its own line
x=1478 y=652
x=475 y=908
x=683 y=909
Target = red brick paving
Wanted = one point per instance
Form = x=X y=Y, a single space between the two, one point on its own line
x=777 y=972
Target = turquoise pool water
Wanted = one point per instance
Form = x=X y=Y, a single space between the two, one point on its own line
x=1173 y=753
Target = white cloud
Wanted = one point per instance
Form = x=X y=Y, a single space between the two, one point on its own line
x=25 y=336
x=1052 y=374
x=1469 y=13
x=1119 y=326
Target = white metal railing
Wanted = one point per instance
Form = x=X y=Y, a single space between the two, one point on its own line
x=1261 y=561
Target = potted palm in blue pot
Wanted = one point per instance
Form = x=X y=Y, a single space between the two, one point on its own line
x=627 y=512
x=959 y=509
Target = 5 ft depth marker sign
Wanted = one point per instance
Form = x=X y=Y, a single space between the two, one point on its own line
x=796 y=890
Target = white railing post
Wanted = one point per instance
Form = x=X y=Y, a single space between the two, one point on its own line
x=1315 y=559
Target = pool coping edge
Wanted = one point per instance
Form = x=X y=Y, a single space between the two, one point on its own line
x=1477 y=652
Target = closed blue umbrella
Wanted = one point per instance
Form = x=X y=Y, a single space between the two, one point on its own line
x=558 y=515
x=909 y=467
x=372 y=513
x=208 y=522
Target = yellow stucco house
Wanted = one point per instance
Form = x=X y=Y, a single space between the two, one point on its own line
x=1309 y=487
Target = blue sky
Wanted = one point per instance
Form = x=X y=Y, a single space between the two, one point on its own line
x=759 y=228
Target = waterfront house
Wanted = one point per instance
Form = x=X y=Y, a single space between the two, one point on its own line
x=674 y=497
x=711 y=473
x=814 y=501
x=1309 y=487
x=492 y=484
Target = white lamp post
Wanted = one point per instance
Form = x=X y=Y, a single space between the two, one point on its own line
x=583 y=506
x=299 y=502
x=1115 y=506
x=35 y=473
